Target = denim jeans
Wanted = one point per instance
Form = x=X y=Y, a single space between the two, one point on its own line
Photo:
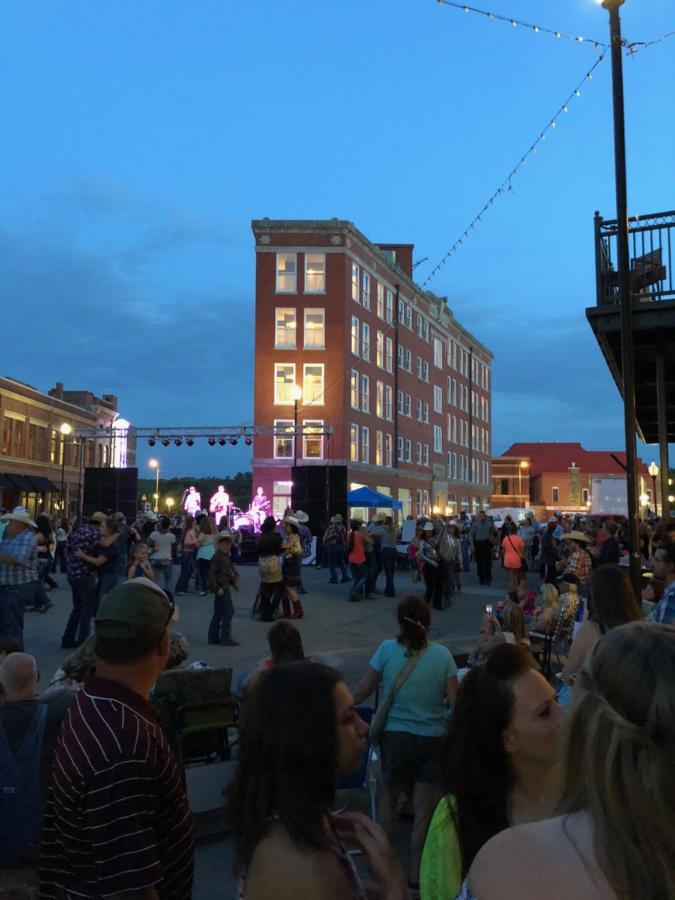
x=335 y=557
x=106 y=583
x=163 y=567
x=223 y=613
x=187 y=564
x=13 y=601
x=372 y=572
x=389 y=555
x=203 y=566
x=84 y=607
x=358 y=585
x=448 y=569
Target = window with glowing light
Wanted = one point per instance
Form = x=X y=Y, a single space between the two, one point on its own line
x=365 y=444
x=315 y=273
x=355 y=335
x=355 y=282
x=379 y=448
x=365 y=394
x=354 y=443
x=379 y=344
x=379 y=399
x=281 y=497
x=354 y=389
x=312 y=390
x=315 y=329
x=284 y=380
x=285 y=329
x=312 y=440
x=287 y=273
x=283 y=443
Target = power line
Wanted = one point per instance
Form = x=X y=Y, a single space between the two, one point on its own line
x=515 y=23
x=506 y=186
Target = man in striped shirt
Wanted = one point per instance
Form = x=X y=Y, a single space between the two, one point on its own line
x=117 y=821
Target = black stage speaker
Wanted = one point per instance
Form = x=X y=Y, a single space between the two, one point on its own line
x=111 y=490
x=321 y=492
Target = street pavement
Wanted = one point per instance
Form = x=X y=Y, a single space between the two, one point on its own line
x=334 y=631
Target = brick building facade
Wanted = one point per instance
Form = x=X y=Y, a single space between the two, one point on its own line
x=36 y=456
x=404 y=387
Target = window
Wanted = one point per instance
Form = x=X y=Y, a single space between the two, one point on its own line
x=584 y=495
x=401 y=311
x=389 y=354
x=425 y=454
x=354 y=443
x=418 y=410
x=419 y=325
x=408 y=361
x=380 y=300
x=400 y=451
x=425 y=371
x=283 y=439
x=354 y=389
x=355 y=336
x=399 y=402
x=388 y=451
x=365 y=444
x=315 y=329
x=389 y=307
x=379 y=400
x=281 y=497
x=315 y=273
x=408 y=450
x=388 y=403
x=438 y=439
x=399 y=356
x=426 y=331
x=284 y=381
x=287 y=273
x=379 y=343
x=284 y=329
x=408 y=317
x=408 y=405
x=365 y=292
x=312 y=440
x=438 y=399
x=312 y=390
x=425 y=413
x=355 y=282
x=555 y=495
x=365 y=341
x=418 y=453
x=379 y=448
x=438 y=353
x=365 y=394
x=418 y=366
x=452 y=457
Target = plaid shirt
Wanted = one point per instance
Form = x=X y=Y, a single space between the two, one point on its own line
x=580 y=564
x=88 y=540
x=664 y=611
x=22 y=548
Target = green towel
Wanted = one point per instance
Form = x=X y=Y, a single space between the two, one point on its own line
x=441 y=869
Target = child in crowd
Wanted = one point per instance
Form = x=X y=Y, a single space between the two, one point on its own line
x=223 y=575
x=547 y=613
x=139 y=566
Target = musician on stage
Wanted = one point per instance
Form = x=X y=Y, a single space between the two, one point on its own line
x=192 y=501
x=219 y=504
x=259 y=509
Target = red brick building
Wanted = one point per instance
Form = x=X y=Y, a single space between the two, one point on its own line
x=403 y=386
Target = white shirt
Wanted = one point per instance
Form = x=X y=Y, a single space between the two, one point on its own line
x=162 y=542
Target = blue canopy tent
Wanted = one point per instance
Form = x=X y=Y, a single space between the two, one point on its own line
x=366 y=497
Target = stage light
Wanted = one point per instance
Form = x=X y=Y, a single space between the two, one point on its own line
x=189 y=442
x=165 y=442
x=233 y=441
x=212 y=442
x=177 y=442
x=151 y=442
x=221 y=441
x=248 y=441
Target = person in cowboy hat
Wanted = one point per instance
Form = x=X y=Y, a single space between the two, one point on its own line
x=579 y=562
x=223 y=575
x=18 y=571
x=83 y=542
x=335 y=544
x=292 y=554
x=305 y=540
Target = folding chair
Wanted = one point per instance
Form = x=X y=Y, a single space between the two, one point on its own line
x=555 y=639
x=366 y=775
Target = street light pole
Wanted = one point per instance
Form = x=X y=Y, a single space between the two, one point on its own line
x=65 y=430
x=154 y=464
x=627 y=354
x=653 y=470
x=296 y=394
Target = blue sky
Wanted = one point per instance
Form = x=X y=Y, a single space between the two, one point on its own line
x=138 y=140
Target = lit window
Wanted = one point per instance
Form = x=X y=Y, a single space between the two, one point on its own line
x=315 y=273
x=283 y=439
x=379 y=448
x=355 y=336
x=555 y=495
x=287 y=273
x=281 y=497
x=438 y=399
x=284 y=380
x=438 y=439
x=379 y=399
x=354 y=389
x=388 y=451
x=284 y=329
x=315 y=329
x=389 y=354
x=312 y=440
x=365 y=394
x=365 y=341
x=355 y=282
x=354 y=443
x=380 y=300
x=312 y=389
x=380 y=349
x=365 y=444
x=365 y=293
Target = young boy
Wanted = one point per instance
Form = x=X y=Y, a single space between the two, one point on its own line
x=223 y=575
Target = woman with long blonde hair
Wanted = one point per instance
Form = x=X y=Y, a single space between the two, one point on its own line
x=615 y=834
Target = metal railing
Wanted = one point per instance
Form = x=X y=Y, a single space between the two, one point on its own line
x=651 y=245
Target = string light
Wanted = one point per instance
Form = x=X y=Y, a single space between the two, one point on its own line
x=506 y=185
x=537 y=29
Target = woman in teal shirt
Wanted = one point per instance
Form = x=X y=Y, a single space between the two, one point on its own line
x=417 y=718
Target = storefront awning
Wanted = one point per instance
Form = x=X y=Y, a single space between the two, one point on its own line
x=43 y=485
x=5 y=483
x=19 y=482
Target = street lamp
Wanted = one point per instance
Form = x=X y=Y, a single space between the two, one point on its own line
x=524 y=464
x=154 y=464
x=169 y=503
x=653 y=470
x=296 y=395
x=65 y=430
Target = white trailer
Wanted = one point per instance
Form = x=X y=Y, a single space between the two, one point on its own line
x=609 y=495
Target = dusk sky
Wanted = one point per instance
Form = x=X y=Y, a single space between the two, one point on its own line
x=139 y=139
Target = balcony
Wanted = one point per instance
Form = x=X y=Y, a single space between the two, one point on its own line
x=651 y=246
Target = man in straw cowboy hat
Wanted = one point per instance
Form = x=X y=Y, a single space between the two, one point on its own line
x=18 y=571
x=335 y=545
x=579 y=562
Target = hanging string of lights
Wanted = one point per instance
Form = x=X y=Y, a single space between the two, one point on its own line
x=636 y=46
x=518 y=23
x=506 y=186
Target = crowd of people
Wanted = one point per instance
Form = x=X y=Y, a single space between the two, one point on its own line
x=511 y=792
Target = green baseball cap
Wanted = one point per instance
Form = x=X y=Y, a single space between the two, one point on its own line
x=133 y=608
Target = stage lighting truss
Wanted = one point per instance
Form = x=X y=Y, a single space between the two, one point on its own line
x=218 y=434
